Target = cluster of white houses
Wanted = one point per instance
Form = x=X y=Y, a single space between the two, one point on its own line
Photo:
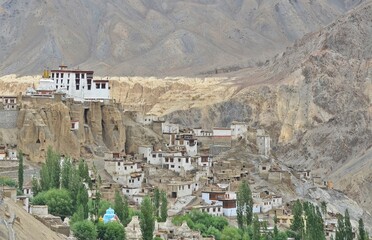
x=8 y=153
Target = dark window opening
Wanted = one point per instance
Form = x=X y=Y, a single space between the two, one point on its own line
x=86 y=116
x=89 y=82
x=98 y=86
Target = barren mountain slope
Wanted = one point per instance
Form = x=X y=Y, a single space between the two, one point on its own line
x=153 y=37
x=315 y=100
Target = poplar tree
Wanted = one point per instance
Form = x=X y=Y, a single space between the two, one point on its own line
x=244 y=205
x=156 y=202
x=297 y=224
x=66 y=173
x=119 y=206
x=362 y=231
x=147 y=219
x=20 y=171
x=35 y=186
x=126 y=216
x=256 y=228
x=348 y=227
x=82 y=199
x=164 y=207
x=340 y=231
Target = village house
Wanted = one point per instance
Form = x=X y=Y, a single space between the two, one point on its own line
x=205 y=161
x=222 y=197
x=8 y=102
x=303 y=174
x=238 y=130
x=2 y=152
x=126 y=172
x=176 y=189
x=278 y=176
x=188 y=141
x=263 y=143
x=221 y=136
x=170 y=128
x=214 y=209
x=178 y=162
x=156 y=157
x=145 y=152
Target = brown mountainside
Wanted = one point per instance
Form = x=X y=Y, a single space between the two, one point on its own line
x=153 y=37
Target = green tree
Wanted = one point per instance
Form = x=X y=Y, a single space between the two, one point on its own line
x=20 y=171
x=348 y=227
x=82 y=199
x=101 y=230
x=84 y=230
x=74 y=186
x=164 y=207
x=147 y=219
x=126 y=215
x=362 y=231
x=66 y=173
x=229 y=233
x=323 y=206
x=156 y=202
x=244 y=205
x=297 y=225
x=114 y=231
x=50 y=171
x=119 y=206
x=59 y=202
x=256 y=228
x=340 y=231
x=35 y=186
x=78 y=215
x=281 y=236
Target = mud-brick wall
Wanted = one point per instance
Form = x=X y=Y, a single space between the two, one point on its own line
x=8 y=119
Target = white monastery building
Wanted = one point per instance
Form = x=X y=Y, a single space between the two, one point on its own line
x=77 y=84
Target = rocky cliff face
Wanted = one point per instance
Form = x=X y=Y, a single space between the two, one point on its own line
x=101 y=129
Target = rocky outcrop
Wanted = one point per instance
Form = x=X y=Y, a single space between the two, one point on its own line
x=100 y=128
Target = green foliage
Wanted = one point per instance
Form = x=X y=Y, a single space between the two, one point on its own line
x=147 y=219
x=348 y=227
x=103 y=206
x=163 y=207
x=101 y=230
x=20 y=171
x=256 y=226
x=35 y=186
x=82 y=199
x=362 y=235
x=119 y=205
x=121 y=208
x=156 y=201
x=84 y=230
x=244 y=205
x=58 y=201
x=297 y=225
x=340 y=231
x=114 y=231
x=78 y=215
x=66 y=173
x=158 y=238
x=5 y=181
x=323 y=207
x=229 y=233
x=281 y=236
x=40 y=199
x=206 y=223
